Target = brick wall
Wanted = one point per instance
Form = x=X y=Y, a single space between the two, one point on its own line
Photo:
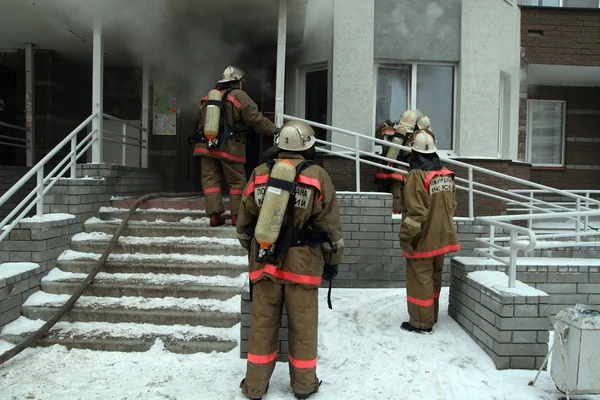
x=560 y=36
x=582 y=143
x=15 y=289
x=511 y=329
x=567 y=282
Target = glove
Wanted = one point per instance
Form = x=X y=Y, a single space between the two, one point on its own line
x=406 y=247
x=330 y=271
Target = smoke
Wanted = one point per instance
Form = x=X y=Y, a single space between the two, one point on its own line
x=186 y=43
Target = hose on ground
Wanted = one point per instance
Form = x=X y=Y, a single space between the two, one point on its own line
x=88 y=280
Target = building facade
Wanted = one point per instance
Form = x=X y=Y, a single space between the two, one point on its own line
x=486 y=71
x=559 y=126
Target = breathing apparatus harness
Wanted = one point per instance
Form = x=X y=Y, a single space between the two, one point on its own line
x=225 y=132
x=292 y=237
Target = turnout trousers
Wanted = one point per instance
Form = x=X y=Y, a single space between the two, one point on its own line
x=394 y=187
x=235 y=175
x=302 y=310
x=423 y=285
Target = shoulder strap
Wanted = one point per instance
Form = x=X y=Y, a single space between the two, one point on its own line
x=289 y=234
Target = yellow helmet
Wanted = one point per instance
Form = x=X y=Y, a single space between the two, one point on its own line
x=295 y=136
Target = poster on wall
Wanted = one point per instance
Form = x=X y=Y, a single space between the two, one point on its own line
x=165 y=113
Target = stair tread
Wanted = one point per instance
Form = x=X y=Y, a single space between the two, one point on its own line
x=141 y=240
x=186 y=222
x=150 y=279
x=137 y=304
x=71 y=255
x=122 y=330
x=186 y=211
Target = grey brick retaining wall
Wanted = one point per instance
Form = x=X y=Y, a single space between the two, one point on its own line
x=566 y=282
x=15 y=290
x=512 y=330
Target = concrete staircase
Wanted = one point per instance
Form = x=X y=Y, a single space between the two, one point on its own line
x=170 y=277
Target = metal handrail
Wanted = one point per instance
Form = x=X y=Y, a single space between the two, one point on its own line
x=107 y=116
x=45 y=183
x=470 y=168
x=547 y=210
x=16 y=127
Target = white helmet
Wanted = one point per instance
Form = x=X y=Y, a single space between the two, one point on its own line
x=423 y=122
x=295 y=136
x=408 y=119
x=423 y=141
x=232 y=73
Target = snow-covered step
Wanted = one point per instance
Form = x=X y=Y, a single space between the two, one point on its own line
x=158 y=311
x=154 y=214
x=97 y=242
x=188 y=264
x=127 y=337
x=146 y=285
x=186 y=227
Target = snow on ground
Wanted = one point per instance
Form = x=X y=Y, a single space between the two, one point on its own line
x=8 y=270
x=69 y=255
x=363 y=354
x=151 y=279
x=139 y=240
x=49 y=218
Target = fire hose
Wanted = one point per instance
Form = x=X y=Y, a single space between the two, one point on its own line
x=88 y=280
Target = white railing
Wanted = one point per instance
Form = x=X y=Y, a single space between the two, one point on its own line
x=126 y=140
x=15 y=141
x=583 y=236
x=543 y=208
x=45 y=183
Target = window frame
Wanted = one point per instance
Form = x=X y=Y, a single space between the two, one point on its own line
x=562 y=163
x=412 y=92
x=302 y=71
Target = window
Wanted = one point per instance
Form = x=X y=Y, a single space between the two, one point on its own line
x=429 y=88
x=315 y=99
x=546 y=132
x=563 y=3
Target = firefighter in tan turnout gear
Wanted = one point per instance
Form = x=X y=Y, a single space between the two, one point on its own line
x=388 y=180
x=227 y=116
x=290 y=224
x=427 y=232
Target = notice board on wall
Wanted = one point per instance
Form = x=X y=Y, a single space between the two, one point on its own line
x=165 y=113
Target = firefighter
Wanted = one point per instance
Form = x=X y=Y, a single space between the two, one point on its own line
x=427 y=232
x=237 y=116
x=308 y=249
x=387 y=180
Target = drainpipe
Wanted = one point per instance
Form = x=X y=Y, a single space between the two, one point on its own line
x=98 y=92
x=30 y=103
x=281 y=48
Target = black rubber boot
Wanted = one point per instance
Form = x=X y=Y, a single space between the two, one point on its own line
x=307 y=395
x=408 y=327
